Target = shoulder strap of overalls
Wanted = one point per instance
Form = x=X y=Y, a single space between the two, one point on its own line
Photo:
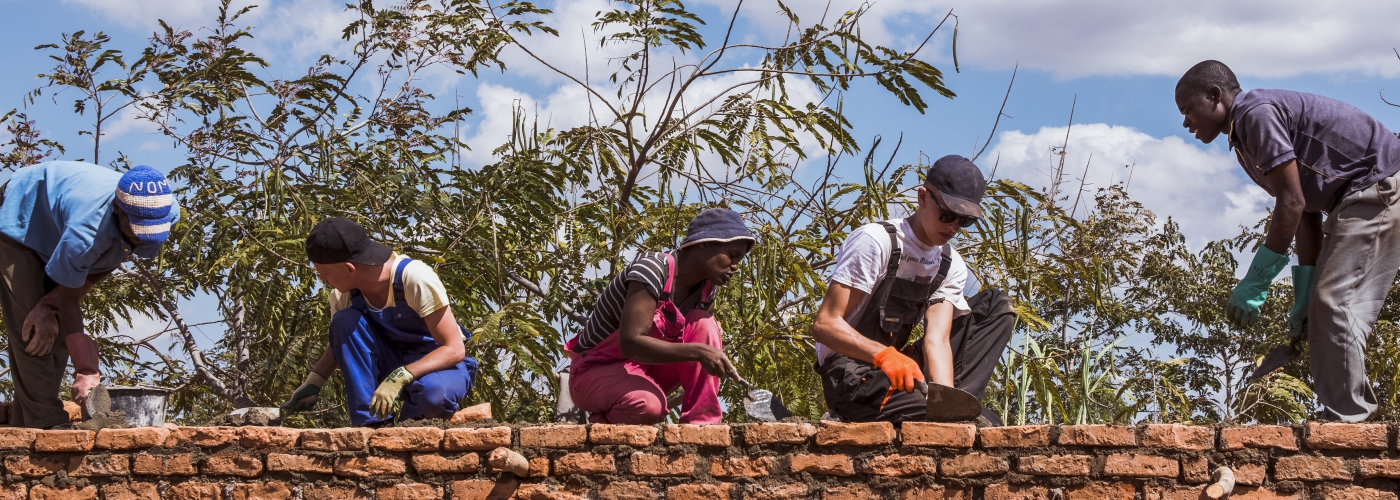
x=881 y=293
x=670 y=276
x=398 y=279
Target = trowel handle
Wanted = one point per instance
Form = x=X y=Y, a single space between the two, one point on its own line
x=734 y=374
x=921 y=386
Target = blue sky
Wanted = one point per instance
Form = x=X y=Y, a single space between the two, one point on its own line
x=1119 y=59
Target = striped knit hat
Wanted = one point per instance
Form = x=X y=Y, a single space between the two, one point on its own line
x=144 y=195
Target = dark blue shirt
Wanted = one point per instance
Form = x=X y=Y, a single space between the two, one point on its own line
x=1340 y=149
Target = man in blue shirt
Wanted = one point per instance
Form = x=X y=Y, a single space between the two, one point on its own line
x=64 y=226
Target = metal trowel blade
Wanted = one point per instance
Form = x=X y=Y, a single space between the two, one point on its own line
x=761 y=405
x=97 y=402
x=950 y=404
x=1275 y=359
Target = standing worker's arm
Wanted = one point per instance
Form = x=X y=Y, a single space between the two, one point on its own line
x=1249 y=295
x=938 y=351
x=60 y=312
x=450 y=351
x=1288 y=210
x=1309 y=238
x=832 y=330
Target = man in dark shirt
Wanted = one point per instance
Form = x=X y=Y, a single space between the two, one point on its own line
x=1315 y=155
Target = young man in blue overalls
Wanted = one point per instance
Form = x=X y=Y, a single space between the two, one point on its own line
x=392 y=331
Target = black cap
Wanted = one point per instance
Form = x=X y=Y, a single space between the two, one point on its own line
x=338 y=239
x=961 y=184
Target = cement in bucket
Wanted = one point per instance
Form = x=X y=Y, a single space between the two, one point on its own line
x=144 y=405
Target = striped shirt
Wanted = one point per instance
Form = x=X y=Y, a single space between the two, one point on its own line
x=651 y=271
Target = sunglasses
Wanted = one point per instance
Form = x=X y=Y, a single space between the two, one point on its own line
x=947 y=216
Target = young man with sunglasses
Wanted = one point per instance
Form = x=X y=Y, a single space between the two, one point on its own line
x=890 y=276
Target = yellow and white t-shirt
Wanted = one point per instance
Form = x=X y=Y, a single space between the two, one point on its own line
x=422 y=289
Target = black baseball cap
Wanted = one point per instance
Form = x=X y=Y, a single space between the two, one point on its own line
x=961 y=184
x=338 y=239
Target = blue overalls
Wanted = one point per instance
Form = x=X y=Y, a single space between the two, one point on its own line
x=369 y=343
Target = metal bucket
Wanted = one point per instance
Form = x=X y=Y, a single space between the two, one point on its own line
x=144 y=405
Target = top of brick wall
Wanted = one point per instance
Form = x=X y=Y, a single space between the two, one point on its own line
x=1312 y=436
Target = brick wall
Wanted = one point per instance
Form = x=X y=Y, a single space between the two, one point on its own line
x=752 y=461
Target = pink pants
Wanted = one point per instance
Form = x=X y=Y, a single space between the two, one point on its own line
x=617 y=390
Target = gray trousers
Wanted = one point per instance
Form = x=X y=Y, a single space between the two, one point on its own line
x=37 y=379
x=1360 y=255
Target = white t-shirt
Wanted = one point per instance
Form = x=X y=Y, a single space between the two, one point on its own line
x=862 y=261
x=422 y=289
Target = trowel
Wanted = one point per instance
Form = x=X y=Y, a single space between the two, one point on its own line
x=949 y=404
x=760 y=404
x=1275 y=359
x=98 y=401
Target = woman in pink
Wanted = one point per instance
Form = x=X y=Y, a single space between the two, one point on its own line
x=652 y=330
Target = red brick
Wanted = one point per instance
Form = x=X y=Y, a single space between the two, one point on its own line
x=1249 y=493
x=1178 y=437
x=1017 y=436
x=1250 y=474
x=676 y=464
x=933 y=492
x=701 y=435
x=1380 y=468
x=1158 y=492
x=627 y=490
x=973 y=464
x=299 y=463
x=129 y=491
x=547 y=492
x=1141 y=466
x=901 y=465
x=195 y=491
x=335 y=493
x=539 y=467
x=1056 y=465
x=827 y=465
x=438 y=464
x=937 y=434
x=27 y=466
x=1309 y=468
x=636 y=436
x=271 y=490
x=63 y=440
x=406 y=439
x=99 y=465
x=1097 y=435
x=201 y=436
x=476 y=489
x=481 y=439
x=232 y=464
x=713 y=491
x=775 y=492
x=370 y=466
x=413 y=491
x=584 y=464
x=1003 y=491
x=267 y=437
x=471 y=414
x=1358 y=493
x=75 y=412
x=1195 y=470
x=1102 y=491
x=778 y=433
x=344 y=439
x=741 y=466
x=1333 y=436
x=855 y=434
x=14 y=491
x=131 y=439
x=849 y=492
x=1258 y=436
x=181 y=464
x=16 y=437
x=42 y=492
x=554 y=436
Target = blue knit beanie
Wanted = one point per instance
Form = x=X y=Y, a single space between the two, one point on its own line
x=145 y=196
x=717 y=225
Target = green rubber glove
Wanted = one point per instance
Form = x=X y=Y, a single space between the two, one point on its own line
x=1249 y=295
x=382 y=405
x=311 y=387
x=1302 y=293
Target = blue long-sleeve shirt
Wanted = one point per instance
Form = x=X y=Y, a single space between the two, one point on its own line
x=63 y=211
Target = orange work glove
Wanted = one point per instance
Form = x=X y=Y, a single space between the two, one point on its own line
x=901 y=369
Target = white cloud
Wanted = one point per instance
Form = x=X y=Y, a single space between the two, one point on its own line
x=144 y=14
x=1202 y=189
x=1073 y=38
